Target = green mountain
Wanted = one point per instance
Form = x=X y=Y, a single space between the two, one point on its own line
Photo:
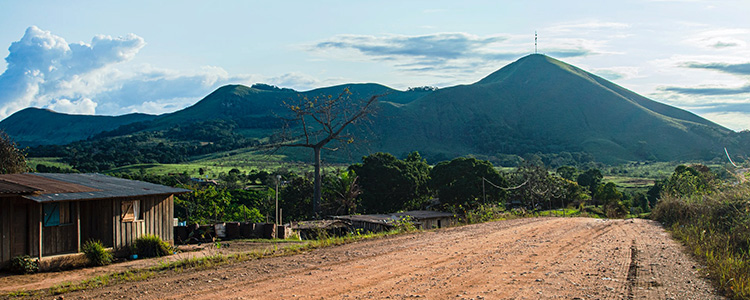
x=35 y=126
x=540 y=104
x=534 y=105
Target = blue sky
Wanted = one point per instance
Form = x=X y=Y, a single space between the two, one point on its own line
x=93 y=57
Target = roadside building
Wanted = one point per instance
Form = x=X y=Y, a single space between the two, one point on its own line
x=310 y=230
x=423 y=219
x=45 y=215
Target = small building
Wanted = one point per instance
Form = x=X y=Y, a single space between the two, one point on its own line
x=310 y=230
x=52 y=214
x=423 y=219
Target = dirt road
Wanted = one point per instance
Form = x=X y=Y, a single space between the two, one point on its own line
x=543 y=258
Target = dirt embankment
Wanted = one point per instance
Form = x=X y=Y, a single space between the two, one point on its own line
x=542 y=258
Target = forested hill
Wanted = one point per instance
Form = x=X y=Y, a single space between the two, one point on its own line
x=540 y=104
x=35 y=126
x=536 y=104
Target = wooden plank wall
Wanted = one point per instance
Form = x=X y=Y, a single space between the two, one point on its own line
x=157 y=211
x=5 y=230
x=100 y=220
x=96 y=221
x=59 y=239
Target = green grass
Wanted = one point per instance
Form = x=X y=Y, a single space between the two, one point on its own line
x=217 y=163
x=716 y=227
x=48 y=161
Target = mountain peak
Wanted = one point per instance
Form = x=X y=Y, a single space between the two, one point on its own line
x=524 y=66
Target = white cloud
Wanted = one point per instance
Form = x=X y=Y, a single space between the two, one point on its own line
x=617 y=73
x=84 y=106
x=46 y=71
x=43 y=69
x=723 y=38
x=733 y=120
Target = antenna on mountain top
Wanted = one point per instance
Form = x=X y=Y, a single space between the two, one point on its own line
x=535 y=37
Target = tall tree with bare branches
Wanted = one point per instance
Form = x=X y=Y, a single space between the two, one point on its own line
x=318 y=121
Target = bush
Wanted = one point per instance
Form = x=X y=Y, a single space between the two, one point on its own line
x=96 y=253
x=152 y=246
x=24 y=264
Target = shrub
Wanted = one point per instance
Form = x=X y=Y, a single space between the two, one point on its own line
x=96 y=253
x=24 y=264
x=152 y=246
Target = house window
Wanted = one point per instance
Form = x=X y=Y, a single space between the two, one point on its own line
x=56 y=213
x=131 y=210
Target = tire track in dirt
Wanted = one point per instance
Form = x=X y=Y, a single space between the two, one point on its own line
x=542 y=258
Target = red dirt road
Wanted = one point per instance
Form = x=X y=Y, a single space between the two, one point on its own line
x=541 y=258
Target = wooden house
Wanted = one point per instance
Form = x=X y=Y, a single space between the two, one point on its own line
x=45 y=215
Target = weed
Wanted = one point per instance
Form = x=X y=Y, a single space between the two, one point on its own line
x=96 y=253
x=152 y=246
x=24 y=264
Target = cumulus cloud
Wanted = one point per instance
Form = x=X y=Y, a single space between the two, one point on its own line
x=84 y=106
x=43 y=69
x=46 y=71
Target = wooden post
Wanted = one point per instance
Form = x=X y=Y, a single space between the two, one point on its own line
x=78 y=225
x=41 y=230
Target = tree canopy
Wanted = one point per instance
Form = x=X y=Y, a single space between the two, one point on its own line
x=460 y=182
x=12 y=159
x=390 y=184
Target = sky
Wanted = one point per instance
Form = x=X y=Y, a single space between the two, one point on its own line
x=119 y=57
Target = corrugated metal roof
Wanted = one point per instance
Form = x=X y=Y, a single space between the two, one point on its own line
x=7 y=187
x=66 y=187
x=426 y=214
x=389 y=219
x=45 y=185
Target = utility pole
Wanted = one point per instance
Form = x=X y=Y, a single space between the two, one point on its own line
x=276 y=220
x=484 y=194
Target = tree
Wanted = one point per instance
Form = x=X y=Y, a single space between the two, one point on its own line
x=390 y=184
x=590 y=179
x=687 y=181
x=322 y=120
x=461 y=182
x=567 y=172
x=538 y=188
x=341 y=192
x=12 y=160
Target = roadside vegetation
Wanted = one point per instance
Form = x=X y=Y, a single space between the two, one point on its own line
x=712 y=217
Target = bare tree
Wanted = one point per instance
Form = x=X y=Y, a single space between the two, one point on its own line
x=318 y=121
x=12 y=160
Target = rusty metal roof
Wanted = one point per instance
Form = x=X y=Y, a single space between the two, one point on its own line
x=390 y=219
x=45 y=185
x=52 y=187
x=7 y=187
x=319 y=224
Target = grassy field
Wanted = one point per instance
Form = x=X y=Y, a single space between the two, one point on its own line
x=48 y=161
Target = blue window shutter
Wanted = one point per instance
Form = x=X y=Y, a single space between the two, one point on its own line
x=51 y=214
